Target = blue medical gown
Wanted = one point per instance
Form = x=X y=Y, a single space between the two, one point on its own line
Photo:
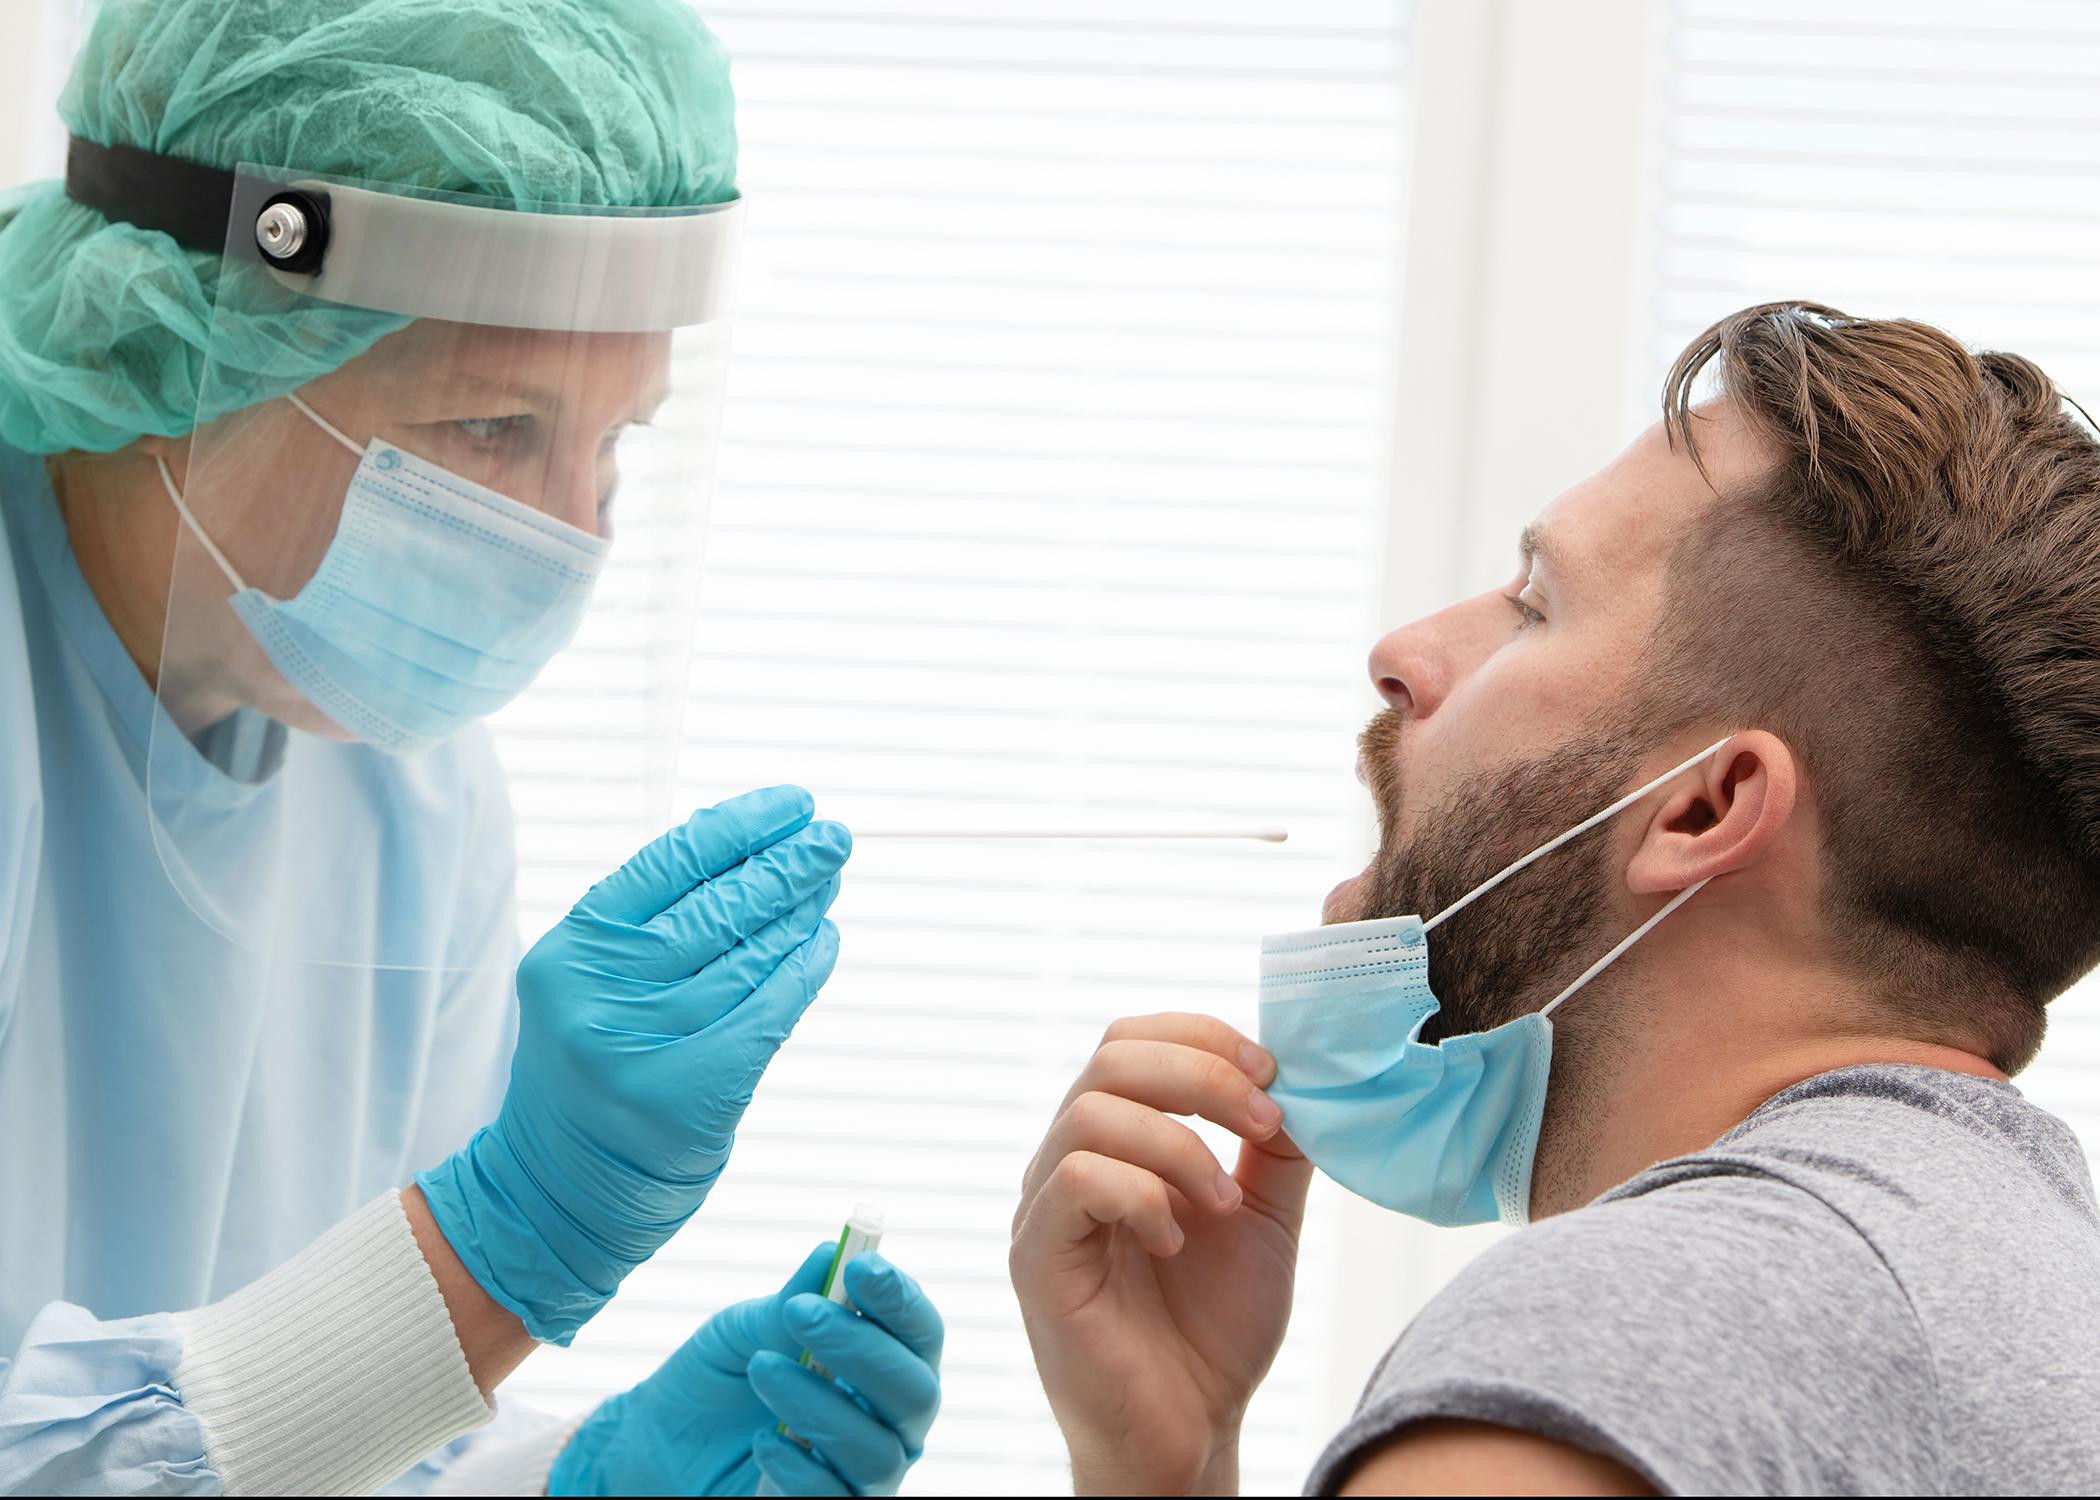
x=179 y=1115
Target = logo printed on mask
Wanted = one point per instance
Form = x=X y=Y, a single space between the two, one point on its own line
x=437 y=602
x=1446 y=1131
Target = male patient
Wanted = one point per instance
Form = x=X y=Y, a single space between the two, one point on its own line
x=1791 y=1230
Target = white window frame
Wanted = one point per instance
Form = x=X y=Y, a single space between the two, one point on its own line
x=1528 y=126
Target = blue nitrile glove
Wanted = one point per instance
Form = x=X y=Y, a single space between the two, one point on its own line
x=704 y=1424
x=645 y=1019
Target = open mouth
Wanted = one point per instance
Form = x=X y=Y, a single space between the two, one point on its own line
x=1379 y=740
x=1340 y=904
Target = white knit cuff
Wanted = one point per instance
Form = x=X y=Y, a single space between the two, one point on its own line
x=517 y=1467
x=335 y=1372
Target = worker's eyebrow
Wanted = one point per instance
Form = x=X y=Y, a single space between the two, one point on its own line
x=544 y=399
x=1537 y=542
x=506 y=385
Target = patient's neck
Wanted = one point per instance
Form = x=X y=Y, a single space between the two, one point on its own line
x=1641 y=1079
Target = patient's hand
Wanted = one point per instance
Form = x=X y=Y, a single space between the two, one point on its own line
x=1155 y=1289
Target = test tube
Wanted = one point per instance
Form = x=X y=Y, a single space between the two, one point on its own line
x=862 y=1234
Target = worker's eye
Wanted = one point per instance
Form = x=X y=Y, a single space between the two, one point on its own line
x=489 y=431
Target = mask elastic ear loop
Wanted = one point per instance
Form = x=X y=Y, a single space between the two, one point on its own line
x=1623 y=944
x=182 y=509
x=324 y=424
x=1576 y=832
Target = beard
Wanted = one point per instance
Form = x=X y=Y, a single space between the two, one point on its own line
x=1519 y=945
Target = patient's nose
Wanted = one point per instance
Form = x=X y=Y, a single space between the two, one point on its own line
x=1401 y=673
x=1416 y=667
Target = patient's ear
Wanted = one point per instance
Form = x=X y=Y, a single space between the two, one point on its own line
x=1721 y=815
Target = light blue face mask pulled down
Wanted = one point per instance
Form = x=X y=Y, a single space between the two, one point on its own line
x=1446 y=1131
x=437 y=602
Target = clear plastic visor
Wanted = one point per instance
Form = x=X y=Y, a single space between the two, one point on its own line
x=439 y=527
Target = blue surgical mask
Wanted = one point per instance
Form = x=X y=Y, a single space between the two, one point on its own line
x=1442 y=1131
x=437 y=602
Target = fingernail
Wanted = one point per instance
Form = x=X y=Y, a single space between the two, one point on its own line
x=1254 y=1062
x=1264 y=1110
x=1228 y=1190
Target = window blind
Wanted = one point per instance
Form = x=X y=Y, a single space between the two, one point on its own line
x=1052 y=486
x=1936 y=161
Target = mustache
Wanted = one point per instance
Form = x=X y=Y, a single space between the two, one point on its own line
x=1378 y=752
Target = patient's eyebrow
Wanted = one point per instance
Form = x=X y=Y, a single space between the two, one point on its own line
x=1537 y=542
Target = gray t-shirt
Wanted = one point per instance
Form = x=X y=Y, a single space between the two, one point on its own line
x=1884 y=1281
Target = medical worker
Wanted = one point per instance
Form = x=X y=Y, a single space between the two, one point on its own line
x=317 y=374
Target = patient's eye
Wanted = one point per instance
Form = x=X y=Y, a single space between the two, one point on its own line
x=1526 y=615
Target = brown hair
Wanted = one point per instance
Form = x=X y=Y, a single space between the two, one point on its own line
x=1911 y=599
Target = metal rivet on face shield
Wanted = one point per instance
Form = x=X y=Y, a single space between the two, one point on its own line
x=280 y=230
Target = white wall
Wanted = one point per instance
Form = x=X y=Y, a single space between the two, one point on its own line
x=37 y=38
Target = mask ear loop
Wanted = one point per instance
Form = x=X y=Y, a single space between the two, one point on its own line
x=1623 y=944
x=189 y=519
x=325 y=425
x=1576 y=832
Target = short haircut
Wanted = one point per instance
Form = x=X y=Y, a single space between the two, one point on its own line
x=1910 y=598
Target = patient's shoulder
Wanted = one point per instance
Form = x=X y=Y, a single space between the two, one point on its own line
x=1723 y=1332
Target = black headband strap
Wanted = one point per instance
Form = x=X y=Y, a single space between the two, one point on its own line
x=186 y=201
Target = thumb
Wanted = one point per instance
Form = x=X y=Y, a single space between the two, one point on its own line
x=725 y=1343
x=809 y=1277
x=1275 y=1176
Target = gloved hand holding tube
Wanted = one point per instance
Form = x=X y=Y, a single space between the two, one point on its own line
x=646 y=1017
x=707 y=1422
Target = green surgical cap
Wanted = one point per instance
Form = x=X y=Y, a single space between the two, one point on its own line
x=103 y=326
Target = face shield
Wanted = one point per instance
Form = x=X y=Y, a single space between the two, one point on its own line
x=488 y=512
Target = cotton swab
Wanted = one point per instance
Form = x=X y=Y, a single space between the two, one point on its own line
x=1259 y=835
